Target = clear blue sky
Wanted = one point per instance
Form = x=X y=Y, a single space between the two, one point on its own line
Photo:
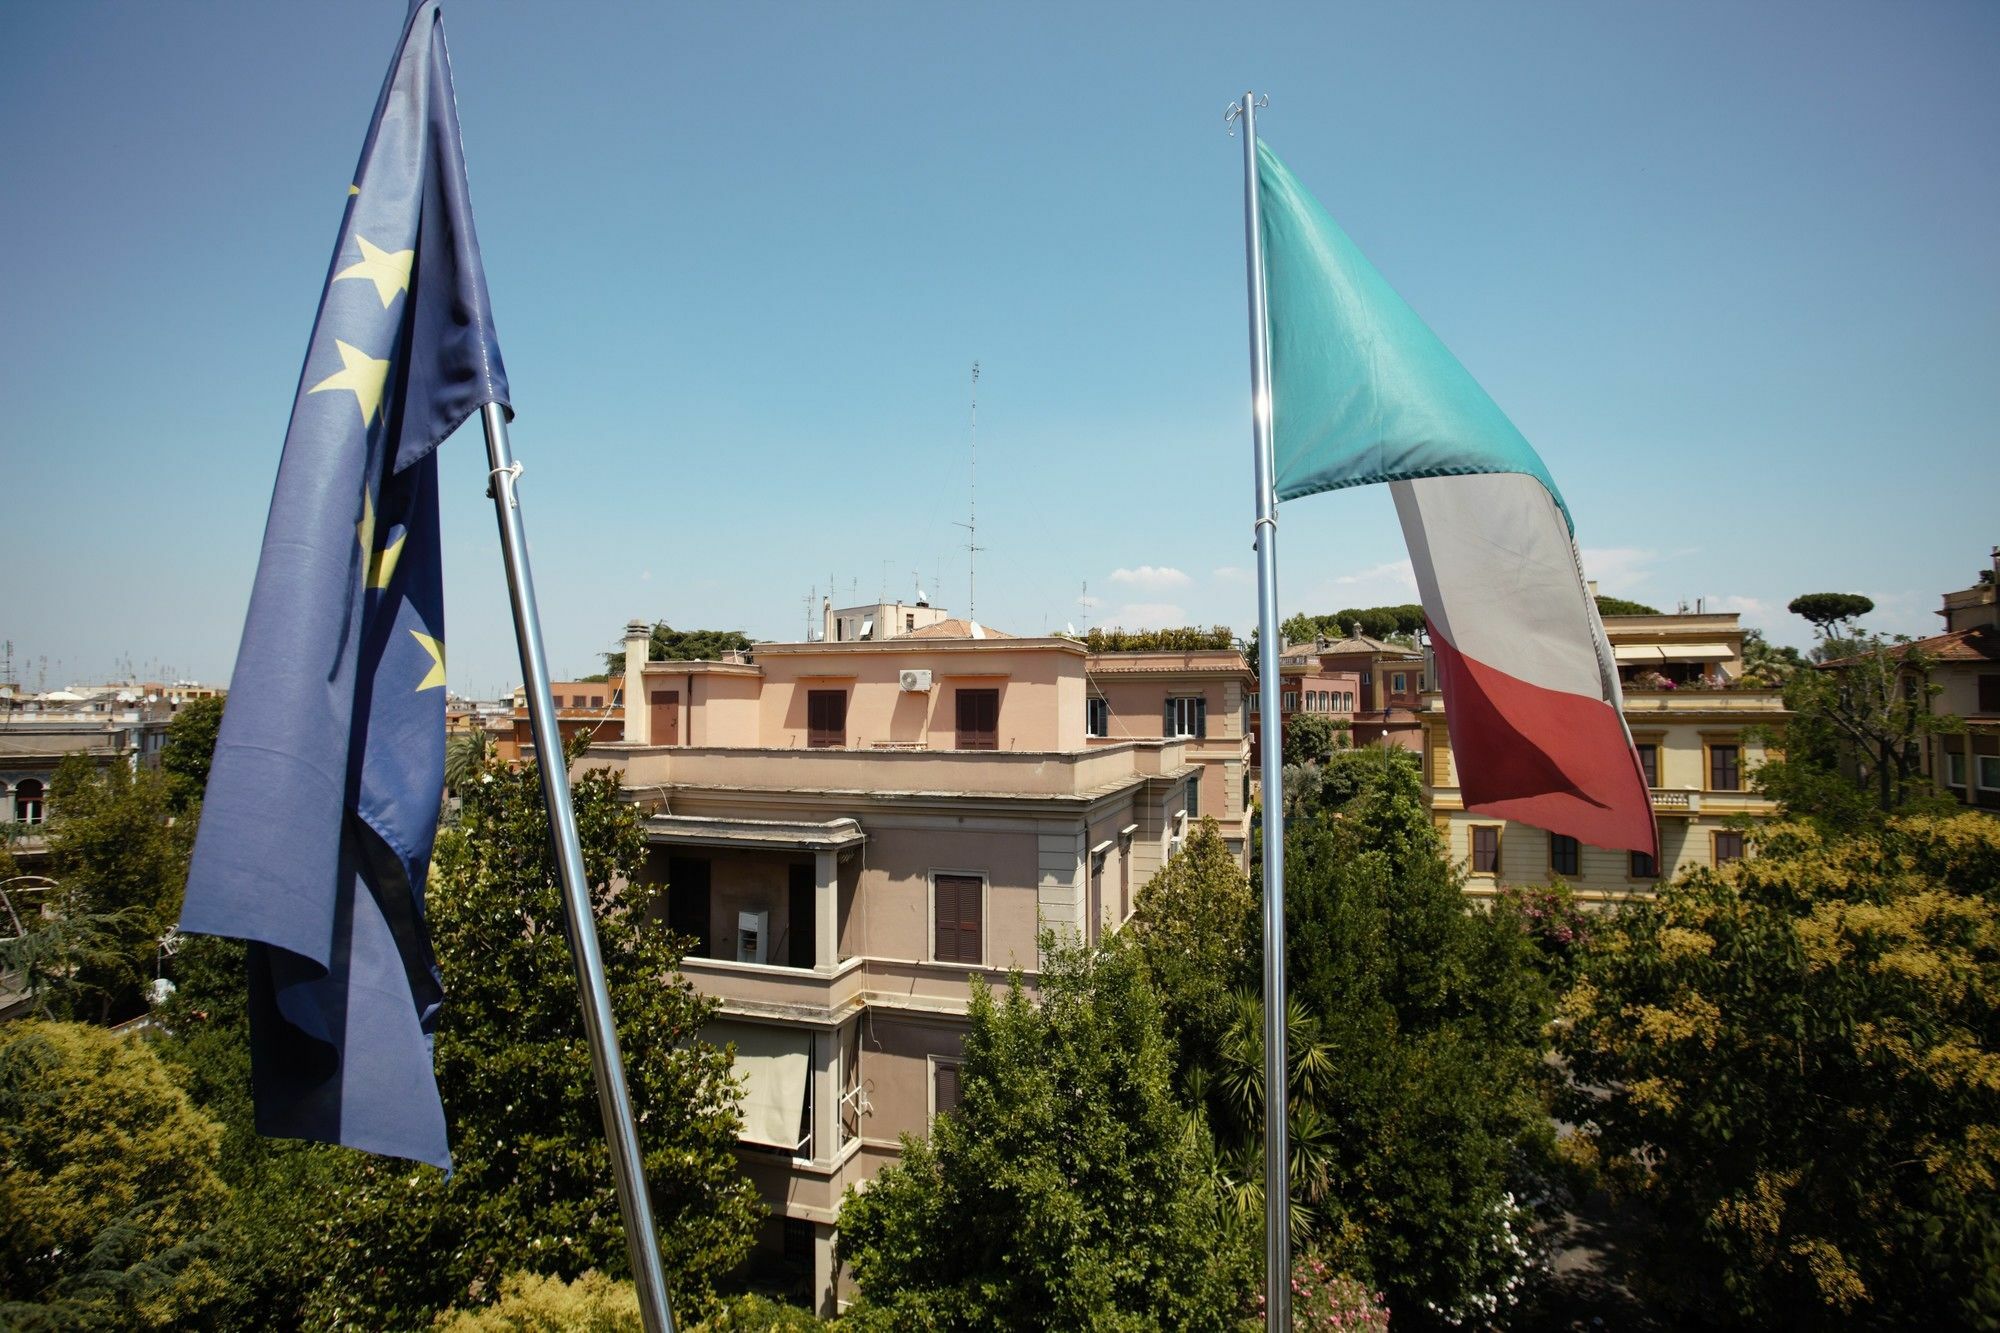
x=1730 y=267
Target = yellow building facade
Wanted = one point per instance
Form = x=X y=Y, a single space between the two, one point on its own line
x=1700 y=731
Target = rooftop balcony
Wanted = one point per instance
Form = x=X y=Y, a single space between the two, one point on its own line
x=1027 y=774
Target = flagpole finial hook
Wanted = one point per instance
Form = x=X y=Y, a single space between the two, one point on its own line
x=1235 y=110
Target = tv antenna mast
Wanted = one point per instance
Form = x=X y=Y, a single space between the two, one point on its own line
x=971 y=525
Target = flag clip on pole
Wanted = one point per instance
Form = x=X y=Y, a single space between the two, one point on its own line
x=1277 y=1100
x=620 y=1129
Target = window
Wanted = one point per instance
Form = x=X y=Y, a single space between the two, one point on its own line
x=1486 y=849
x=1649 y=762
x=1189 y=716
x=28 y=801
x=1096 y=717
x=597 y=701
x=1989 y=694
x=826 y=718
x=1642 y=867
x=1728 y=847
x=1194 y=798
x=944 y=1088
x=1347 y=702
x=1253 y=703
x=910 y=623
x=1292 y=701
x=1954 y=769
x=979 y=719
x=1399 y=682
x=1725 y=767
x=1989 y=772
x=1565 y=854
x=957 y=903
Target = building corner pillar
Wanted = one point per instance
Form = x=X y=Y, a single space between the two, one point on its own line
x=638 y=718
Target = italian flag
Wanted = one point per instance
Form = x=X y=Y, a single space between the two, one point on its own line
x=1364 y=392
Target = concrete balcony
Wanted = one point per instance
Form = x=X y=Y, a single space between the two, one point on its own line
x=1058 y=773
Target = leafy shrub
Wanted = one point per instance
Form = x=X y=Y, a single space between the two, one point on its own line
x=1324 y=1298
x=533 y=1303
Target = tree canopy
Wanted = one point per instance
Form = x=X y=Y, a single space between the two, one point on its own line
x=1618 y=606
x=1194 y=925
x=108 y=1182
x=1828 y=609
x=1067 y=1190
x=189 y=748
x=531 y=1186
x=1184 y=639
x=1792 y=1060
x=683 y=645
x=1310 y=738
x=1377 y=622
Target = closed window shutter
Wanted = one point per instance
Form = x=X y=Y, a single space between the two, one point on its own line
x=979 y=719
x=945 y=1093
x=1989 y=694
x=1201 y=717
x=1167 y=719
x=945 y=947
x=958 y=919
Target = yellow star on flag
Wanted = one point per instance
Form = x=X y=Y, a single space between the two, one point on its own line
x=389 y=271
x=435 y=647
x=352 y=190
x=360 y=374
x=381 y=563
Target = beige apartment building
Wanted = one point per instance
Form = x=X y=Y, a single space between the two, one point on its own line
x=1696 y=728
x=1200 y=698
x=852 y=830
x=1967 y=668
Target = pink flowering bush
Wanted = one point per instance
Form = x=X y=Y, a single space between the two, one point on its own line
x=1325 y=1299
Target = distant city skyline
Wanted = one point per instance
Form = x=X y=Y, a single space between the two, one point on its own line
x=1730 y=270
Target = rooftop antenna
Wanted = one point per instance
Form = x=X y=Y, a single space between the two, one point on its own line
x=1086 y=602
x=971 y=525
x=812 y=595
x=7 y=664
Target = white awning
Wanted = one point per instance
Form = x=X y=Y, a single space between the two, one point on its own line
x=773 y=1064
x=1672 y=652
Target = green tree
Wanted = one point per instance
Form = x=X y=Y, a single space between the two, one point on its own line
x=1194 y=925
x=1795 y=1061
x=1829 y=611
x=108 y=1181
x=1185 y=639
x=189 y=748
x=1853 y=743
x=1431 y=1013
x=682 y=645
x=121 y=859
x=467 y=752
x=1067 y=1189
x=531 y=1189
x=1618 y=606
x=1766 y=665
x=1311 y=738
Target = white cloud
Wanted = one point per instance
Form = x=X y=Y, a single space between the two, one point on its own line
x=1618 y=569
x=1146 y=615
x=1232 y=574
x=1151 y=576
x=1397 y=572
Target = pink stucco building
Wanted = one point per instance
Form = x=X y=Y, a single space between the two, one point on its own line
x=853 y=830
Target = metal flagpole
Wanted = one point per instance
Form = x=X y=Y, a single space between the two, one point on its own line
x=620 y=1130
x=1277 y=1100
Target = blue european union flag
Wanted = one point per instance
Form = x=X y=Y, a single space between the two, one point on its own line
x=322 y=803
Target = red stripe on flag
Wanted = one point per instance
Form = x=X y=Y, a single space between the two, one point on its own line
x=1555 y=760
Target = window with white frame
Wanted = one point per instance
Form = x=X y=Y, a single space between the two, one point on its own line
x=1989 y=771
x=1186 y=716
x=1954 y=769
x=1096 y=716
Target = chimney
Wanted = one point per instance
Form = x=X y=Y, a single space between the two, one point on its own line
x=638 y=646
x=826 y=620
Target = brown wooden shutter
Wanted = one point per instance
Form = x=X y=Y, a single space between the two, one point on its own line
x=958 y=911
x=945 y=1089
x=826 y=718
x=978 y=719
x=1989 y=694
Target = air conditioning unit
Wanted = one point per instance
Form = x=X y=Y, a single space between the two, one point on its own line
x=915 y=682
x=753 y=936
